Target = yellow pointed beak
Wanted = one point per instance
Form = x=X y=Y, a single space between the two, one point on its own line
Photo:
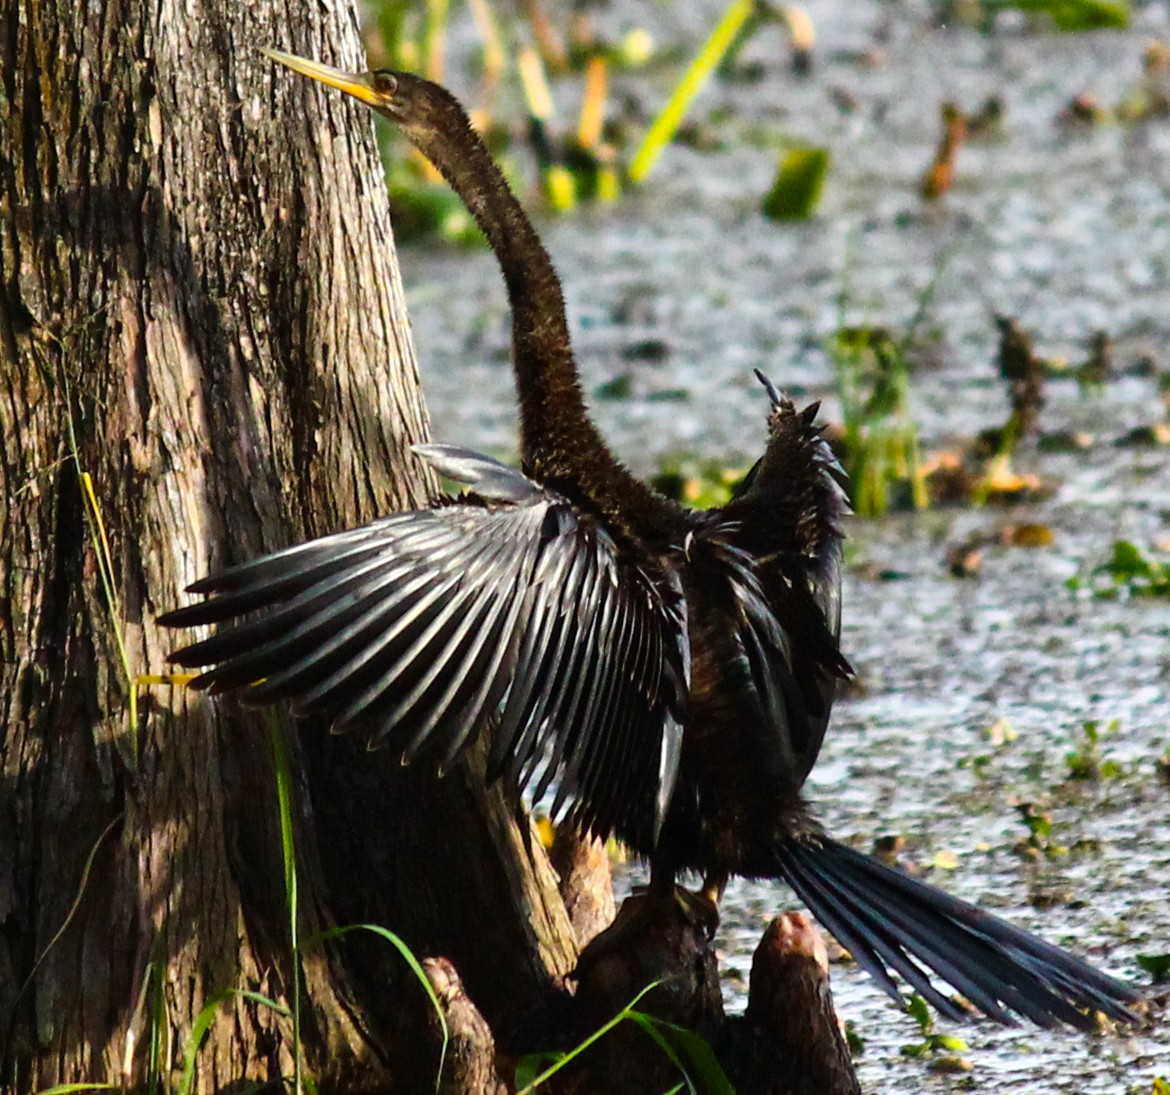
x=356 y=84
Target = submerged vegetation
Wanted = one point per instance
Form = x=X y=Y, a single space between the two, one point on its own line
x=879 y=439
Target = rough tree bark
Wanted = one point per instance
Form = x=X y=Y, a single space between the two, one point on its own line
x=200 y=311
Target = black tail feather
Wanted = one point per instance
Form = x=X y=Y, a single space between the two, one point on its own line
x=987 y=985
x=875 y=945
x=889 y=921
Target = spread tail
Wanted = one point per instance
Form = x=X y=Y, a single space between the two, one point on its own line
x=889 y=921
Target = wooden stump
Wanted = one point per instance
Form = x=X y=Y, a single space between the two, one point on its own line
x=788 y=1042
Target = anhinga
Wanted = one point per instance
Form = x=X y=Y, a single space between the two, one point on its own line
x=669 y=671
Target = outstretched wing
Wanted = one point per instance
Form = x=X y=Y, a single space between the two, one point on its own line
x=512 y=609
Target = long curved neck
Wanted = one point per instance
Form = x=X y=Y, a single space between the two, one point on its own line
x=560 y=444
x=553 y=415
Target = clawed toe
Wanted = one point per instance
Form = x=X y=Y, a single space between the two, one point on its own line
x=699 y=908
x=648 y=913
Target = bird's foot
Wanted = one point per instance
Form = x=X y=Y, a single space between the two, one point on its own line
x=660 y=937
x=648 y=916
x=700 y=907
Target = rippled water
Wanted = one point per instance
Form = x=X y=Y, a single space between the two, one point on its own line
x=1066 y=229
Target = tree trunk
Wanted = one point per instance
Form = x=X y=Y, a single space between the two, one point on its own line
x=200 y=316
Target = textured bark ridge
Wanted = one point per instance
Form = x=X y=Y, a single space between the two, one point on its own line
x=202 y=340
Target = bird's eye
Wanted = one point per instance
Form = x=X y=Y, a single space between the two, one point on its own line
x=385 y=82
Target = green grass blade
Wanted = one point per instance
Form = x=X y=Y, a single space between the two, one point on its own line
x=158 y=1025
x=530 y=1066
x=647 y=1023
x=577 y=1050
x=435 y=38
x=668 y=121
x=399 y=945
x=203 y=1023
x=1075 y=15
x=691 y=1053
x=105 y=565
x=64 y=1089
x=289 y=851
x=688 y=1052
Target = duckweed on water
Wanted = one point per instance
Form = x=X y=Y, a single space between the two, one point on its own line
x=942 y=1051
x=1129 y=572
x=1039 y=842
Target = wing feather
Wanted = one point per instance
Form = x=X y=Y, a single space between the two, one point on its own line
x=516 y=612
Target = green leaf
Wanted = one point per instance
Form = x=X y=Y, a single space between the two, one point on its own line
x=1128 y=569
x=1128 y=561
x=647 y=1023
x=700 y=483
x=690 y=1052
x=421 y=209
x=952 y=1043
x=1156 y=965
x=64 y=1089
x=529 y=1067
x=919 y=1011
x=687 y=1051
x=288 y=846
x=564 y=1058
x=853 y=1040
x=1076 y=15
x=799 y=184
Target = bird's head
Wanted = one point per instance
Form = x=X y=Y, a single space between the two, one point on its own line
x=416 y=105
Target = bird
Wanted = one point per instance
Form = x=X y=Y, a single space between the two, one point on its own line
x=666 y=674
